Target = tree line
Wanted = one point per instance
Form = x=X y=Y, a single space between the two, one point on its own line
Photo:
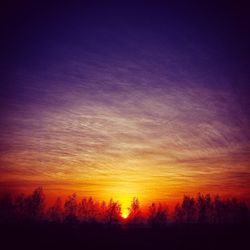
x=202 y=209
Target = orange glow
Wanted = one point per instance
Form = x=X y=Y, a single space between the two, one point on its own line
x=121 y=153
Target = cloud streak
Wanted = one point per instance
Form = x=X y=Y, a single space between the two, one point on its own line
x=118 y=117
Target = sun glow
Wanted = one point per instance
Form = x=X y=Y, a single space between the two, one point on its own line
x=125 y=213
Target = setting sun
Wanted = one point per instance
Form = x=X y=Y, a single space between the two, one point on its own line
x=124 y=213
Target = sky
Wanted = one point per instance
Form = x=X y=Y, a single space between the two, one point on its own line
x=121 y=99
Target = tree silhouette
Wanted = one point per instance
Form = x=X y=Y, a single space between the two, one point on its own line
x=217 y=212
x=102 y=212
x=204 y=208
x=157 y=216
x=20 y=204
x=88 y=210
x=189 y=209
x=6 y=207
x=134 y=209
x=30 y=207
x=135 y=215
x=55 y=213
x=178 y=214
x=186 y=212
x=113 y=212
x=70 y=209
x=36 y=203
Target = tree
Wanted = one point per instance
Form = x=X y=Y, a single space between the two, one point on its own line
x=157 y=216
x=178 y=214
x=87 y=210
x=113 y=212
x=102 y=212
x=20 y=206
x=30 y=207
x=55 y=213
x=6 y=207
x=189 y=210
x=70 y=209
x=134 y=209
x=204 y=208
x=243 y=213
x=217 y=211
x=186 y=212
x=36 y=203
x=135 y=215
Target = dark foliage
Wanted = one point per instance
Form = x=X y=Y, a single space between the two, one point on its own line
x=203 y=222
x=200 y=210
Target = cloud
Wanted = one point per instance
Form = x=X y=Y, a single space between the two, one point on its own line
x=104 y=123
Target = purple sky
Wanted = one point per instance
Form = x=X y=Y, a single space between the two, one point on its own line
x=147 y=100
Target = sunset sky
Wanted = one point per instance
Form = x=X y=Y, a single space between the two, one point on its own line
x=123 y=100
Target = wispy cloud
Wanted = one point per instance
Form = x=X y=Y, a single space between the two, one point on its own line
x=123 y=124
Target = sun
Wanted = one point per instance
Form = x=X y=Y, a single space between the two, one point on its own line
x=124 y=214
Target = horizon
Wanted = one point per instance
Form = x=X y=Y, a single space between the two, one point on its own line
x=203 y=209
x=170 y=205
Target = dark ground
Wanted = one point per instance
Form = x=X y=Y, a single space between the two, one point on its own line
x=173 y=237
